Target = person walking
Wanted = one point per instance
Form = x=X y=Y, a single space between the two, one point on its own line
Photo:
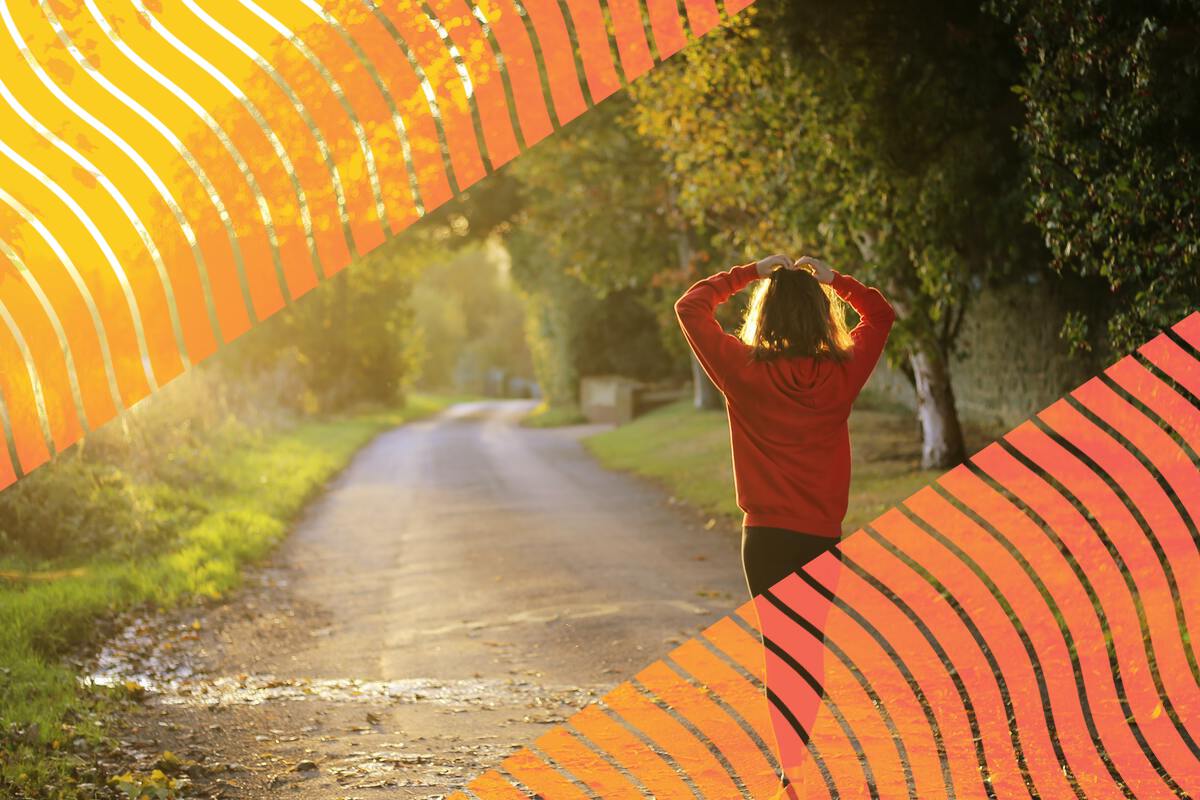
x=789 y=377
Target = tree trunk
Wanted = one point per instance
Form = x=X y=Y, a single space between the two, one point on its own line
x=942 y=441
x=705 y=396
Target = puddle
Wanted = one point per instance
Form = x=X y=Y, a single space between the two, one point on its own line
x=256 y=689
x=445 y=771
x=149 y=652
x=153 y=656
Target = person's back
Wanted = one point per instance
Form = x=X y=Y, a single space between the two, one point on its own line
x=789 y=384
x=791 y=452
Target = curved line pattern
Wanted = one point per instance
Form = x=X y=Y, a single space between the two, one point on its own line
x=221 y=259
x=275 y=69
x=140 y=378
x=873 y=642
x=1020 y=628
x=91 y=169
x=47 y=177
x=251 y=243
x=893 y=732
x=1033 y=620
x=42 y=448
x=335 y=87
x=178 y=172
x=64 y=425
x=396 y=174
x=181 y=32
x=199 y=337
x=81 y=299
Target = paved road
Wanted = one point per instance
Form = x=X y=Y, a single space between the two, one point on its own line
x=461 y=586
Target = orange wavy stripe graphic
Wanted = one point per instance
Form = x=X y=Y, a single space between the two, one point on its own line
x=1025 y=626
x=175 y=171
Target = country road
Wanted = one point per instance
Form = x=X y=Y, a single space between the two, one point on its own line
x=461 y=586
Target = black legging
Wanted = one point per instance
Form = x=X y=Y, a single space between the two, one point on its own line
x=771 y=554
x=768 y=556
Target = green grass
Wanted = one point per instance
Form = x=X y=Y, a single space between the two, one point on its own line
x=687 y=451
x=264 y=486
x=546 y=416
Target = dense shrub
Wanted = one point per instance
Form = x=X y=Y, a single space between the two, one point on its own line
x=118 y=493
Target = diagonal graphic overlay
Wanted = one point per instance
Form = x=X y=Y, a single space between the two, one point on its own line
x=1025 y=626
x=177 y=172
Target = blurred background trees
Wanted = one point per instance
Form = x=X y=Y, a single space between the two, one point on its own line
x=595 y=246
x=346 y=343
x=469 y=321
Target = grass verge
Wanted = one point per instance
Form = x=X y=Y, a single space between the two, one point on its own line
x=49 y=722
x=546 y=416
x=687 y=451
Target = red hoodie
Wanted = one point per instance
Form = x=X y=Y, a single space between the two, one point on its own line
x=787 y=417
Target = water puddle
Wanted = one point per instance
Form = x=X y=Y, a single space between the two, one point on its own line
x=445 y=771
x=152 y=657
x=256 y=689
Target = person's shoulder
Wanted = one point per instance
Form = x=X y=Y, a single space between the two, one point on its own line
x=744 y=364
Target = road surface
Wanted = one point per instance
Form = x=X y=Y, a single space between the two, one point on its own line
x=462 y=586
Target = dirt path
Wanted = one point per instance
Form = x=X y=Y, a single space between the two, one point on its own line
x=461 y=586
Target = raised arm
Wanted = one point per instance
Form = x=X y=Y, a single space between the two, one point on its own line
x=871 y=332
x=720 y=353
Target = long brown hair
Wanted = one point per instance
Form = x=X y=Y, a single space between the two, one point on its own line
x=792 y=314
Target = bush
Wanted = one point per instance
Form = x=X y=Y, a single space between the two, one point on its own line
x=78 y=508
x=128 y=489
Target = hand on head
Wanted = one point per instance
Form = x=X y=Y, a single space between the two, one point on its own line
x=820 y=270
x=771 y=263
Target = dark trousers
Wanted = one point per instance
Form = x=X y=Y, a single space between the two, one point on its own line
x=768 y=556
x=771 y=554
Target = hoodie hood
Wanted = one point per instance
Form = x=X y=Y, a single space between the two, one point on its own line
x=813 y=383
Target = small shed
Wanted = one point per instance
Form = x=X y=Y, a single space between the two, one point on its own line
x=617 y=399
x=607 y=398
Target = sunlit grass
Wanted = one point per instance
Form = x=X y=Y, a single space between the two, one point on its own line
x=687 y=451
x=547 y=416
x=264 y=484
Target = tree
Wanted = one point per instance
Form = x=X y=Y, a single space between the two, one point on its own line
x=874 y=133
x=350 y=342
x=596 y=199
x=1112 y=133
x=554 y=302
x=469 y=318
